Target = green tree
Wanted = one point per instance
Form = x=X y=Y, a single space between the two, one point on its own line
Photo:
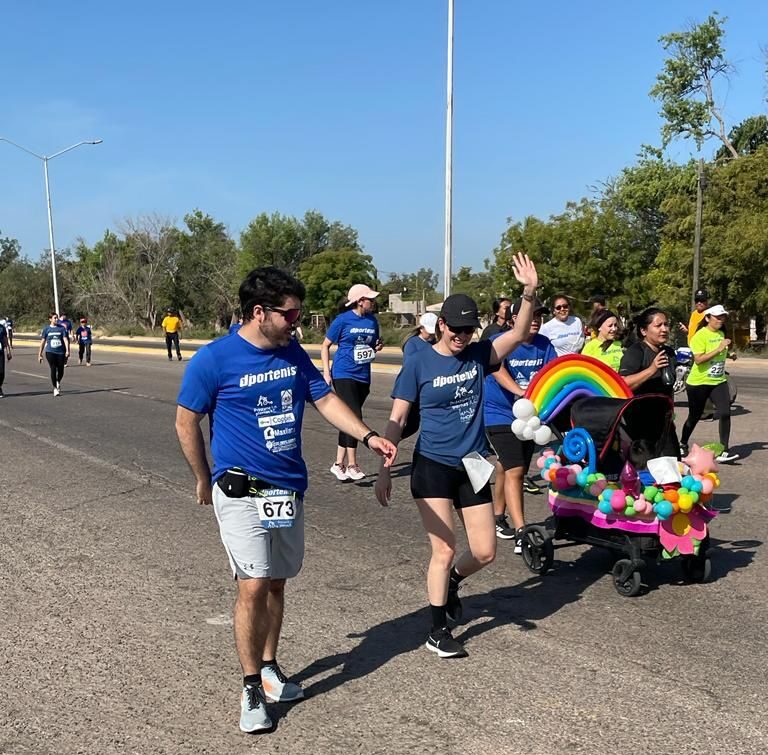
x=204 y=285
x=275 y=239
x=685 y=87
x=10 y=251
x=477 y=285
x=413 y=286
x=750 y=134
x=329 y=275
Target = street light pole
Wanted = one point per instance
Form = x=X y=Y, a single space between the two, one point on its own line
x=45 y=159
x=448 y=262
x=697 y=231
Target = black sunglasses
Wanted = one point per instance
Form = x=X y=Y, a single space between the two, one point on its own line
x=290 y=315
x=558 y=307
x=466 y=330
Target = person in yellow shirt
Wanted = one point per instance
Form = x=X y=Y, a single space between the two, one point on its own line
x=707 y=379
x=172 y=326
x=701 y=302
x=604 y=345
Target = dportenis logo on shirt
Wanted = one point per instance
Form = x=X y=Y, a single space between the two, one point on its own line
x=246 y=381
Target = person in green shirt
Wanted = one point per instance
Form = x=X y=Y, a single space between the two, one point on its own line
x=707 y=379
x=604 y=346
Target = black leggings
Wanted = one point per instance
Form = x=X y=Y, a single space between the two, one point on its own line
x=3 y=357
x=353 y=393
x=56 y=363
x=697 y=400
x=84 y=348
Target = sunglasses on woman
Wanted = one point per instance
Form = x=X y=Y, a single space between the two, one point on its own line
x=467 y=330
x=560 y=307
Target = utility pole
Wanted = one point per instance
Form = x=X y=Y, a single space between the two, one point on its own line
x=448 y=261
x=697 y=231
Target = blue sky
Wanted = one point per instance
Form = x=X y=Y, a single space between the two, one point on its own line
x=242 y=107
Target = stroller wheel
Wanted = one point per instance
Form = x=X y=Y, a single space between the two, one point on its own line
x=697 y=569
x=626 y=578
x=538 y=552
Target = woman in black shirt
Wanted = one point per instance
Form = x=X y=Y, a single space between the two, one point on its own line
x=648 y=366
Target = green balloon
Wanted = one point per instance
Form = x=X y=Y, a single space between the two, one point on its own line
x=630 y=501
x=650 y=493
x=659 y=498
x=629 y=511
x=694 y=496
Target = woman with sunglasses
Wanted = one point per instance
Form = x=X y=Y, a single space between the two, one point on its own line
x=605 y=345
x=356 y=331
x=566 y=331
x=707 y=379
x=447 y=381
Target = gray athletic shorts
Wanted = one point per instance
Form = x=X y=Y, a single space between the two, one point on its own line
x=256 y=552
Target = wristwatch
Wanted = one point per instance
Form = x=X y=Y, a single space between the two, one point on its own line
x=367 y=438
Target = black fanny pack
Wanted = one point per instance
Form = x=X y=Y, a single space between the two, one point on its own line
x=235 y=483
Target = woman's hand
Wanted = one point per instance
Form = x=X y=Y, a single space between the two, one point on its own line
x=725 y=344
x=525 y=271
x=383 y=487
x=327 y=377
x=661 y=360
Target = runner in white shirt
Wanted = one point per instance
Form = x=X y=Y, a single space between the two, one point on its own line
x=565 y=330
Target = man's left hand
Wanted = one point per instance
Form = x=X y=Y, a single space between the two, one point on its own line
x=385 y=448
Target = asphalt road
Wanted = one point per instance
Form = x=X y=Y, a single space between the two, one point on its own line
x=116 y=601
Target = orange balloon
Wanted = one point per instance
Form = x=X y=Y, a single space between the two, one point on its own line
x=675 y=507
x=671 y=495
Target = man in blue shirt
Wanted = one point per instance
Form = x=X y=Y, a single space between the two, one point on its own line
x=254 y=386
x=514 y=455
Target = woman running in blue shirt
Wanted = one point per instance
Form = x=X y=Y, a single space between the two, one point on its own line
x=447 y=380
x=356 y=331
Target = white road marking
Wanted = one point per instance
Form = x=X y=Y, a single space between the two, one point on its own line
x=222 y=620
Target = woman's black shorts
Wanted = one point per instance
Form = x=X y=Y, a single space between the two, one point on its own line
x=431 y=479
x=509 y=449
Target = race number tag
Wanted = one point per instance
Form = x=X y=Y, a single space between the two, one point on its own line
x=55 y=343
x=364 y=354
x=716 y=370
x=277 y=508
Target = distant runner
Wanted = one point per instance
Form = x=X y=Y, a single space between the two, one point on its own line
x=84 y=338
x=54 y=342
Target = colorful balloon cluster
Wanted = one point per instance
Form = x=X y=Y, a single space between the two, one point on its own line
x=664 y=502
x=570 y=476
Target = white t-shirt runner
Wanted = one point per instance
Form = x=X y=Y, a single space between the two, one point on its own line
x=567 y=337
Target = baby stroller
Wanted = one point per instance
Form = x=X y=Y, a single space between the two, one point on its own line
x=601 y=503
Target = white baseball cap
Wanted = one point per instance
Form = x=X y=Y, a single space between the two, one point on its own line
x=428 y=321
x=718 y=310
x=360 y=291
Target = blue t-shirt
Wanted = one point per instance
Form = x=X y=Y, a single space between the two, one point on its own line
x=450 y=392
x=414 y=345
x=84 y=334
x=234 y=328
x=66 y=323
x=522 y=364
x=255 y=400
x=54 y=336
x=356 y=336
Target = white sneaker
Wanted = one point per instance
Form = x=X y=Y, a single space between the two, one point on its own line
x=339 y=472
x=355 y=473
x=56 y=391
x=726 y=456
x=276 y=686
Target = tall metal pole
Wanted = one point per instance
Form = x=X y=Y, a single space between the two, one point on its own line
x=45 y=159
x=697 y=231
x=448 y=263
x=50 y=238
